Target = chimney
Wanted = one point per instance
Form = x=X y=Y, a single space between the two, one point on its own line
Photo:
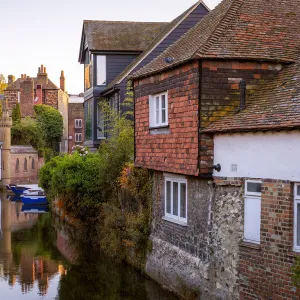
x=62 y=81
x=42 y=76
x=39 y=95
x=242 y=94
x=11 y=79
x=26 y=97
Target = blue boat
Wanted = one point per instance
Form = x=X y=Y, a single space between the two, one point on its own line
x=19 y=189
x=34 y=200
x=34 y=209
x=34 y=196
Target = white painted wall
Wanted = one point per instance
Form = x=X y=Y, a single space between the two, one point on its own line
x=272 y=155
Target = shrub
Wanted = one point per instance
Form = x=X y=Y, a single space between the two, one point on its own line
x=51 y=122
x=16 y=113
x=28 y=132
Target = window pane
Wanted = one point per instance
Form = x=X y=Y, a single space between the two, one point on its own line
x=252 y=219
x=183 y=200
x=175 y=198
x=163 y=101
x=168 y=197
x=157 y=109
x=298 y=224
x=254 y=187
x=100 y=122
x=298 y=190
x=101 y=70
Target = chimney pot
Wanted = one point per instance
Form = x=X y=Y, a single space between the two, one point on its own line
x=45 y=70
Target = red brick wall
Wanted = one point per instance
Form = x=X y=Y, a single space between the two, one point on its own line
x=26 y=97
x=12 y=99
x=177 y=151
x=266 y=272
x=182 y=150
x=51 y=98
x=75 y=112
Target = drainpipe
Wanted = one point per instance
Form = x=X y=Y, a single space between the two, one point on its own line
x=242 y=94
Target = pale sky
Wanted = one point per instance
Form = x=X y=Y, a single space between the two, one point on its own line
x=35 y=32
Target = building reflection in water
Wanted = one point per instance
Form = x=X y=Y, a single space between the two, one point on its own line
x=21 y=264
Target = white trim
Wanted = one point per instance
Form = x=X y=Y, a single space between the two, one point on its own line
x=247 y=193
x=296 y=247
x=80 y=123
x=77 y=139
x=145 y=54
x=170 y=216
x=255 y=214
x=156 y=110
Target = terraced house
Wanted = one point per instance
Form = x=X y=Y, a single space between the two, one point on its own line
x=217 y=120
x=110 y=51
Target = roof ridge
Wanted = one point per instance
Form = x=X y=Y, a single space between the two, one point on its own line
x=178 y=20
x=124 y=21
x=221 y=26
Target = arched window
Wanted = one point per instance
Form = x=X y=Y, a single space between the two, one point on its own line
x=17 y=165
x=33 y=164
x=25 y=164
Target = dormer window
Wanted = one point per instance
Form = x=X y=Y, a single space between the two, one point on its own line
x=101 y=70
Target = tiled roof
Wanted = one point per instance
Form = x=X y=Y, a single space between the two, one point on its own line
x=276 y=106
x=238 y=29
x=167 y=29
x=119 y=35
x=15 y=86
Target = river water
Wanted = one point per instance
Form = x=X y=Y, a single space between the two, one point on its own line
x=37 y=261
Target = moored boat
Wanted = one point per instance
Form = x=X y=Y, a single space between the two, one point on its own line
x=34 y=196
x=34 y=209
x=19 y=189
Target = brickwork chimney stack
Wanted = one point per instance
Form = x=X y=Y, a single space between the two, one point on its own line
x=42 y=76
x=26 y=97
x=39 y=95
x=11 y=79
x=62 y=81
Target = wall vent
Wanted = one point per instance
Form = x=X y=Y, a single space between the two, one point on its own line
x=234 y=168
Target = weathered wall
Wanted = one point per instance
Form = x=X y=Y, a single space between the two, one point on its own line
x=12 y=99
x=76 y=111
x=266 y=270
x=51 y=98
x=176 y=151
x=63 y=100
x=20 y=174
x=199 y=260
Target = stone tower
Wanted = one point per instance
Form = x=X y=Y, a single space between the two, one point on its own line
x=5 y=139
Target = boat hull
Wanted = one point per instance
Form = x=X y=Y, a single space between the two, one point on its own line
x=34 y=200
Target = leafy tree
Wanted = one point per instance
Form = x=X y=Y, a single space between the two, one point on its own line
x=51 y=122
x=3 y=84
x=28 y=132
x=16 y=113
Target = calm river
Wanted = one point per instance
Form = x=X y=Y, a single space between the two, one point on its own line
x=37 y=261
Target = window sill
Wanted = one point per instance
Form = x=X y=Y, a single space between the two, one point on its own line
x=158 y=127
x=174 y=221
x=250 y=245
x=160 y=130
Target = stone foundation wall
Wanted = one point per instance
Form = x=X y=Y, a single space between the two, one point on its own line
x=200 y=260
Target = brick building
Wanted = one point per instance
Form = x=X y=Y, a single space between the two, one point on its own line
x=76 y=121
x=225 y=203
x=29 y=91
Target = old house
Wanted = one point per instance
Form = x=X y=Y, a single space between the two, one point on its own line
x=76 y=121
x=110 y=51
x=30 y=91
x=224 y=201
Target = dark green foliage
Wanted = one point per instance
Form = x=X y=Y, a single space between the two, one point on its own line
x=296 y=273
x=16 y=113
x=51 y=122
x=28 y=132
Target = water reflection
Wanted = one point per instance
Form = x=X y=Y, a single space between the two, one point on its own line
x=37 y=262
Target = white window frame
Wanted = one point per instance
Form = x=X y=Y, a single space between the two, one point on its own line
x=296 y=202
x=79 y=122
x=169 y=216
x=155 y=108
x=77 y=139
x=254 y=196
